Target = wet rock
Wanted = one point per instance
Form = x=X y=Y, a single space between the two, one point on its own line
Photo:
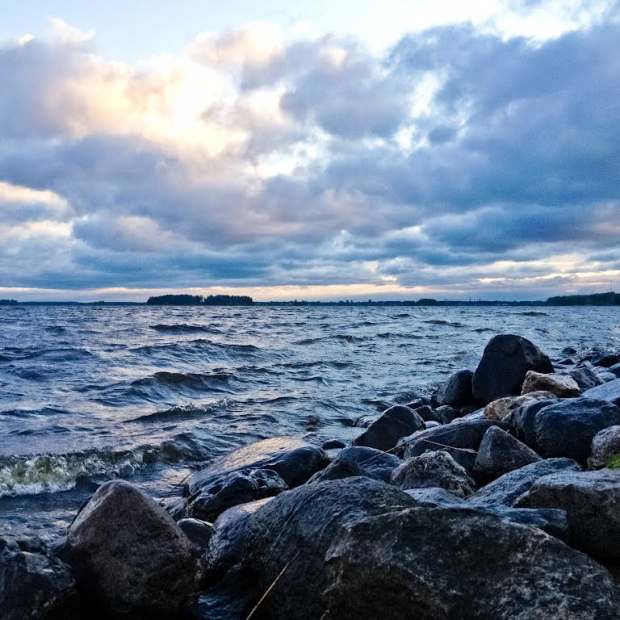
x=462 y=433
x=591 y=500
x=359 y=461
x=499 y=453
x=585 y=376
x=293 y=459
x=569 y=351
x=426 y=412
x=398 y=421
x=199 y=532
x=457 y=391
x=505 y=361
x=606 y=360
x=230 y=489
x=295 y=530
x=563 y=386
x=446 y=414
x=34 y=584
x=433 y=469
x=605 y=449
x=333 y=444
x=226 y=546
x=567 y=427
x=420 y=560
x=609 y=392
x=129 y=555
x=509 y=487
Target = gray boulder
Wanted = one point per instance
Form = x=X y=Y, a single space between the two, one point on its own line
x=591 y=500
x=293 y=459
x=445 y=414
x=359 y=461
x=457 y=391
x=499 y=453
x=34 y=584
x=438 y=563
x=566 y=428
x=605 y=448
x=433 y=469
x=505 y=361
x=506 y=489
x=585 y=376
x=383 y=434
x=129 y=555
x=230 y=489
x=609 y=392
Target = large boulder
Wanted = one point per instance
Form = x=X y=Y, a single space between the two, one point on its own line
x=591 y=500
x=129 y=555
x=233 y=488
x=359 y=461
x=457 y=391
x=433 y=469
x=34 y=584
x=563 y=386
x=295 y=530
x=567 y=428
x=605 y=448
x=499 y=453
x=506 y=489
x=293 y=459
x=504 y=408
x=609 y=392
x=505 y=361
x=438 y=563
x=383 y=434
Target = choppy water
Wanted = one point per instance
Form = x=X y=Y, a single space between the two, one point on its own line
x=147 y=393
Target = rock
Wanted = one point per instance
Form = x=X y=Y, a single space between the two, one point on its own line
x=521 y=418
x=333 y=444
x=293 y=459
x=462 y=433
x=585 y=376
x=605 y=448
x=233 y=488
x=34 y=584
x=609 y=391
x=509 y=487
x=615 y=370
x=567 y=427
x=499 y=453
x=438 y=563
x=295 y=530
x=505 y=361
x=359 y=461
x=446 y=414
x=606 y=376
x=433 y=469
x=569 y=351
x=199 y=532
x=457 y=391
x=432 y=424
x=502 y=408
x=563 y=386
x=426 y=412
x=398 y=421
x=129 y=554
x=606 y=360
x=552 y=521
x=591 y=500
x=226 y=546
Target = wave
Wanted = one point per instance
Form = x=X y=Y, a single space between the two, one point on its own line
x=533 y=313
x=443 y=322
x=61 y=354
x=178 y=413
x=338 y=337
x=199 y=346
x=27 y=413
x=185 y=328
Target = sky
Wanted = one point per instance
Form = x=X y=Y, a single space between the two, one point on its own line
x=325 y=150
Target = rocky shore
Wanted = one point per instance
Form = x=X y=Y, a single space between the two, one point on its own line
x=497 y=498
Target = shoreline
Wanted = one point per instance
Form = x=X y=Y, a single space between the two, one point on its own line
x=524 y=448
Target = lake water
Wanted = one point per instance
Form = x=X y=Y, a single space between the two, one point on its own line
x=147 y=393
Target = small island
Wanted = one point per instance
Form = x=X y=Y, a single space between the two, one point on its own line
x=199 y=300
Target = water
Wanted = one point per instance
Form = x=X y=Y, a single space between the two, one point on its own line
x=148 y=393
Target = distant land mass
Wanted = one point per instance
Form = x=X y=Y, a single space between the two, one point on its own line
x=199 y=300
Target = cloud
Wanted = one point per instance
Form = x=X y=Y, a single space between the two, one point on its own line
x=456 y=161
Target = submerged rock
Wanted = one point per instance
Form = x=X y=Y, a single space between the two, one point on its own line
x=591 y=500
x=129 y=555
x=563 y=386
x=433 y=469
x=605 y=448
x=505 y=361
x=566 y=428
x=34 y=584
x=359 y=461
x=398 y=421
x=418 y=563
x=500 y=453
x=457 y=391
